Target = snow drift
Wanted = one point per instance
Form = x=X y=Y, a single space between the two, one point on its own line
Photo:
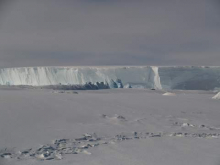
x=169 y=94
x=186 y=78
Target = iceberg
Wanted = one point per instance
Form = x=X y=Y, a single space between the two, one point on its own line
x=152 y=77
x=43 y=76
x=190 y=78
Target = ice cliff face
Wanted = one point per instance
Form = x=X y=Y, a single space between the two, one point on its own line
x=205 y=78
x=40 y=76
x=190 y=78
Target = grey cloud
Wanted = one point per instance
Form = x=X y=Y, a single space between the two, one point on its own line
x=94 y=32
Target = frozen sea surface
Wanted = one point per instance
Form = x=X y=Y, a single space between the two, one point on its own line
x=105 y=127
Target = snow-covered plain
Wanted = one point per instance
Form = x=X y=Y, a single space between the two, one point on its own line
x=106 y=127
x=186 y=78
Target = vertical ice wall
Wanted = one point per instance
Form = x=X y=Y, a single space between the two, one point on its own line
x=40 y=76
x=190 y=78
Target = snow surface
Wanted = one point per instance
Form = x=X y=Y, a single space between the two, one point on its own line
x=189 y=78
x=105 y=127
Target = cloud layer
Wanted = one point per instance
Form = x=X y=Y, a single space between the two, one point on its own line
x=122 y=32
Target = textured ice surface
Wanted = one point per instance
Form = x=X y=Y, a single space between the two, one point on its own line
x=190 y=78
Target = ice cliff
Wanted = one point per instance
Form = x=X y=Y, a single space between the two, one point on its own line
x=188 y=78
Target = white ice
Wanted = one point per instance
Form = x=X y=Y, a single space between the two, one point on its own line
x=187 y=78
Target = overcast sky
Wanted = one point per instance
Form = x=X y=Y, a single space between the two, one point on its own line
x=109 y=32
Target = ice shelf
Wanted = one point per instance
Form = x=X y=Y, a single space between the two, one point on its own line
x=157 y=77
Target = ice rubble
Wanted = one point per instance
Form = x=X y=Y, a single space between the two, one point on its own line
x=186 y=78
x=217 y=96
